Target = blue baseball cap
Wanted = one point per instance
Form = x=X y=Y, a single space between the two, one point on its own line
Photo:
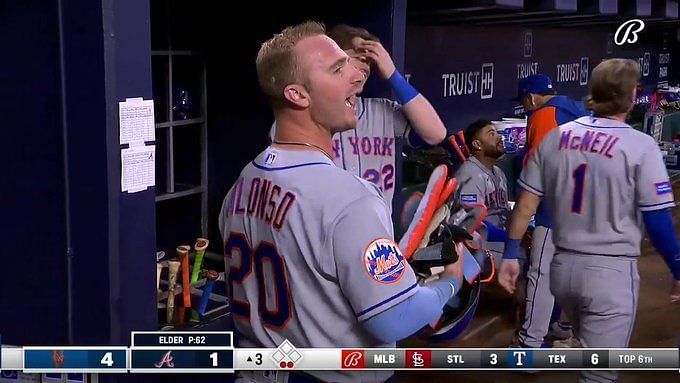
x=538 y=83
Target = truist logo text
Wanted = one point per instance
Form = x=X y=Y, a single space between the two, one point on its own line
x=627 y=33
x=470 y=82
x=167 y=360
x=573 y=72
x=353 y=359
x=525 y=70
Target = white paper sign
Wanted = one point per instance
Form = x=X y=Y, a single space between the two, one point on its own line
x=136 y=121
x=138 y=168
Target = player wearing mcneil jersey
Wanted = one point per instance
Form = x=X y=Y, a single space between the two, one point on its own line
x=601 y=180
x=370 y=150
x=309 y=249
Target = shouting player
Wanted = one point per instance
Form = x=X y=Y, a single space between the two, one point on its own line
x=369 y=151
x=597 y=175
x=309 y=250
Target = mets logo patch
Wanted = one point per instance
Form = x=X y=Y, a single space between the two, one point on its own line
x=468 y=198
x=383 y=261
x=663 y=188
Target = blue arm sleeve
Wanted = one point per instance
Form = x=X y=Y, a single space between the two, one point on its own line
x=662 y=234
x=403 y=91
x=511 y=248
x=409 y=316
x=494 y=233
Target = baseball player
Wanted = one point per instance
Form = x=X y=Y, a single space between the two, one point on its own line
x=369 y=151
x=482 y=182
x=546 y=111
x=309 y=250
x=601 y=180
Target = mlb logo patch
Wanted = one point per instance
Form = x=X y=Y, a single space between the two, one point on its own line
x=383 y=261
x=270 y=158
x=468 y=198
x=663 y=188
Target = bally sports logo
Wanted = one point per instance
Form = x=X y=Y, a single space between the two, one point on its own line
x=353 y=359
x=383 y=261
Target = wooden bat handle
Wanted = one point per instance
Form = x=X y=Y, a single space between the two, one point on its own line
x=173 y=268
x=183 y=255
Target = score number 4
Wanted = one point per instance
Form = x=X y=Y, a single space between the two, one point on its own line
x=107 y=360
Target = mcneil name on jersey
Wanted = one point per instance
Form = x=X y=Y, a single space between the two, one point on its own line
x=594 y=142
x=262 y=200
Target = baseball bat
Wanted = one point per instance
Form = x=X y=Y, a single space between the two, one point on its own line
x=461 y=137
x=173 y=267
x=181 y=311
x=454 y=144
x=207 y=290
x=193 y=316
x=199 y=247
x=183 y=255
x=159 y=269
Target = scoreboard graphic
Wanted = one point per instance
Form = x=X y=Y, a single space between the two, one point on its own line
x=214 y=352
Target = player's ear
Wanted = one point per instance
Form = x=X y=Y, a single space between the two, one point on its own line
x=532 y=99
x=476 y=144
x=297 y=95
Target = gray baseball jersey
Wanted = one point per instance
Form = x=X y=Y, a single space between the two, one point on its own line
x=309 y=253
x=479 y=185
x=596 y=175
x=369 y=151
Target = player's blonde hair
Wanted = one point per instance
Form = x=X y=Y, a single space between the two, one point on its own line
x=611 y=85
x=277 y=65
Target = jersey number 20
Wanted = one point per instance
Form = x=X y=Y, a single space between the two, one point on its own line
x=579 y=176
x=264 y=253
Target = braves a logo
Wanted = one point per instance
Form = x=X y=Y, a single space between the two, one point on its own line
x=167 y=360
x=383 y=261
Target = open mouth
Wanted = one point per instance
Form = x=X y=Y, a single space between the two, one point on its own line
x=351 y=102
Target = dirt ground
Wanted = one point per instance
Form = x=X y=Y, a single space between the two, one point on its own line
x=657 y=325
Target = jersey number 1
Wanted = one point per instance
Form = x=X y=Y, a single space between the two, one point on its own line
x=579 y=177
x=264 y=253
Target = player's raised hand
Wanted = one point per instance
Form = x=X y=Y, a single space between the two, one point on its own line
x=377 y=54
x=675 y=292
x=508 y=274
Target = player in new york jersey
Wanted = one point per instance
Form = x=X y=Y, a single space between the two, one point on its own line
x=370 y=150
x=482 y=182
x=309 y=250
x=601 y=180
